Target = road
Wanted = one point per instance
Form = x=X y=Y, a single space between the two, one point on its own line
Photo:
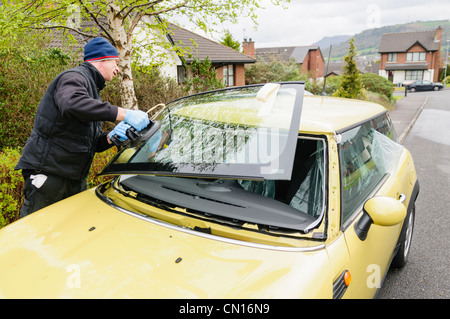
x=427 y=274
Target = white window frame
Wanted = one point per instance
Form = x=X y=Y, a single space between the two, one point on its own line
x=392 y=57
x=228 y=75
x=414 y=75
x=416 y=56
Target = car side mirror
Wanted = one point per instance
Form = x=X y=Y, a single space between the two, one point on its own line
x=381 y=211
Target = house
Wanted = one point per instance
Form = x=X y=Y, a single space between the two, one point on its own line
x=334 y=69
x=410 y=56
x=229 y=63
x=309 y=57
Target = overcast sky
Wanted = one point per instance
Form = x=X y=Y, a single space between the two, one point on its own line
x=307 y=21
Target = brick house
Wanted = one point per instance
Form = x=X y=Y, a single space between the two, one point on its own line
x=309 y=57
x=229 y=63
x=410 y=56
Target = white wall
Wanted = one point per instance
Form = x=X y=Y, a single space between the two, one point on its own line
x=145 y=40
x=399 y=76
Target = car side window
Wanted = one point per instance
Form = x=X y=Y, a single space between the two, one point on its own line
x=367 y=153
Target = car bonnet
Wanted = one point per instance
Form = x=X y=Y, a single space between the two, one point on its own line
x=83 y=248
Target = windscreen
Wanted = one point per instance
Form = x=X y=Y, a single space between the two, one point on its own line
x=245 y=132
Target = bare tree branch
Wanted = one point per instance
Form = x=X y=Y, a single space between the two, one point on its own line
x=94 y=17
x=90 y=35
x=148 y=4
x=134 y=22
x=183 y=4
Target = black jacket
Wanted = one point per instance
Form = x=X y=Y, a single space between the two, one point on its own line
x=67 y=127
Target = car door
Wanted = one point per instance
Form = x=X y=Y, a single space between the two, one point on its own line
x=418 y=85
x=369 y=168
x=427 y=85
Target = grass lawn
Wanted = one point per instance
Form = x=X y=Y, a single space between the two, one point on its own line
x=398 y=97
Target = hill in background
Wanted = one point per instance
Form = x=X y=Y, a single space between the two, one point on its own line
x=368 y=41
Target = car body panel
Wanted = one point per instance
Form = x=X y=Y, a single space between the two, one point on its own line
x=423 y=85
x=323 y=114
x=124 y=257
x=370 y=259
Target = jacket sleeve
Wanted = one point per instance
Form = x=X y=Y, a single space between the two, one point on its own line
x=73 y=100
x=102 y=143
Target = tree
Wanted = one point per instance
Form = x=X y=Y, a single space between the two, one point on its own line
x=11 y=22
x=229 y=41
x=273 y=71
x=118 y=21
x=205 y=77
x=350 y=86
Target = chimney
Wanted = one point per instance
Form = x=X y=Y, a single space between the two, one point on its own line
x=439 y=34
x=249 y=47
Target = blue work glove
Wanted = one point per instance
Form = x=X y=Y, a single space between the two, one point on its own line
x=138 y=119
x=120 y=130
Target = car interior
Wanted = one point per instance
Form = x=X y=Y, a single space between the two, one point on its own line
x=293 y=204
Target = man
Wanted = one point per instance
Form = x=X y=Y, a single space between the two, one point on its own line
x=67 y=129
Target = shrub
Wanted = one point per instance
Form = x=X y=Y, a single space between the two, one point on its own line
x=11 y=181
x=99 y=162
x=380 y=99
x=273 y=71
x=378 y=84
x=332 y=84
x=11 y=186
x=204 y=77
x=24 y=78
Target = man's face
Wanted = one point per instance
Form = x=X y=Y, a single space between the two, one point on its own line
x=110 y=69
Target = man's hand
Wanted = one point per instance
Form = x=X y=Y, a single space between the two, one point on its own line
x=138 y=119
x=120 y=130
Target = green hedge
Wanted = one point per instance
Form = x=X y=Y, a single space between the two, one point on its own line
x=378 y=84
x=11 y=186
x=11 y=181
x=24 y=77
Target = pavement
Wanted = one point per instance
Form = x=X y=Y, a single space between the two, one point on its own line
x=406 y=112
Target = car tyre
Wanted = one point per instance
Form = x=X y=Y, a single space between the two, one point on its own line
x=401 y=258
x=436 y=88
x=413 y=90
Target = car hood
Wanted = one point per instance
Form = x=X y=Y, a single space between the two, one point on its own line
x=84 y=248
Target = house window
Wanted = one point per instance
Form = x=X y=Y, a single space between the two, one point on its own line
x=228 y=75
x=415 y=56
x=414 y=75
x=392 y=57
x=181 y=74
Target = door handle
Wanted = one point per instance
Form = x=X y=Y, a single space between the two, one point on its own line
x=402 y=198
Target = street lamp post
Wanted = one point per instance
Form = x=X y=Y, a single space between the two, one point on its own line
x=326 y=72
x=446 y=65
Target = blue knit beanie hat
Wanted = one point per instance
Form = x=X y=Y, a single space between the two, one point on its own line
x=98 y=49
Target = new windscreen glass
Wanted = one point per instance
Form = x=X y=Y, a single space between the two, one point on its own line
x=245 y=132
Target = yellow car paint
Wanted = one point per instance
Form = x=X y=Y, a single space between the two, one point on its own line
x=94 y=251
x=84 y=247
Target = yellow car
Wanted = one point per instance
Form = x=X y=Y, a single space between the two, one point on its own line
x=248 y=192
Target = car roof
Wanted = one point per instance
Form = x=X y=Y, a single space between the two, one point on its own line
x=322 y=114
